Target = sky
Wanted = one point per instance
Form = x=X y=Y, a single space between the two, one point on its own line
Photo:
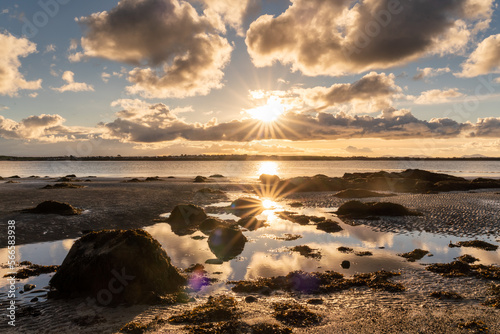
x=302 y=77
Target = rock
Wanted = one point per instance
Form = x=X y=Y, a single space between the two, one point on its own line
x=53 y=207
x=214 y=261
x=226 y=242
x=246 y=206
x=210 y=224
x=250 y=299
x=200 y=179
x=216 y=176
x=414 y=255
x=478 y=244
x=345 y=264
x=360 y=193
x=14 y=177
x=116 y=266
x=269 y=179
x=63 y=185
x=34 y=300
x=64 y=179
x=186 y=218
x=71 y=175
x=356 y=209
x=152 y=179
x=29 y=287
x=251 y=223
x=329 y=226
x=315 y=301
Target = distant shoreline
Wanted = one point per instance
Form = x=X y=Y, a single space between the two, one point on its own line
x=240 y=158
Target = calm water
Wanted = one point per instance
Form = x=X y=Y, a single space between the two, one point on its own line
x=239 y=169
x=266 y=256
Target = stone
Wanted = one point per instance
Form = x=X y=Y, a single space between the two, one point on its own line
x=117 y=266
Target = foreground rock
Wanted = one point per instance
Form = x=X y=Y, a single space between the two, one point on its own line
x=247 y=206
x=356 y=209
x=186 y=218
x=116 y=266
x=226 y=242
x=54 y=207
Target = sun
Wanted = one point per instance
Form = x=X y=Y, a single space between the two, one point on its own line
x=269 y=112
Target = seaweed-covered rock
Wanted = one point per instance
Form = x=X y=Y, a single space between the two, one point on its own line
x=247 y=206
x=226 y=242
x=414 y=255
x=251 y=223
x=63 y=185
x=329 y=226
x=210 y=224
x=217 y=176
x=269 y=179
x=200 y=179
x=54 y=207
x=186 y=218
x=116 y=266
x=356 y=209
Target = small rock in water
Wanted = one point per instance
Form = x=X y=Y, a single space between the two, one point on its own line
x=29 y=287
x=345 y=264
x=250 y=299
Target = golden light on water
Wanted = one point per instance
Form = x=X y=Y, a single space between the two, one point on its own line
x=268 y=204
x=268 y=167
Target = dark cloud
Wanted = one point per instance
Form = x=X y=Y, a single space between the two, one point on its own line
x=182 y=53
x=378 y=89
x=390 y=124
x=335 y=37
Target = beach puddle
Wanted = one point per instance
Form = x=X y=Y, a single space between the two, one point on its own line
x=270 y=249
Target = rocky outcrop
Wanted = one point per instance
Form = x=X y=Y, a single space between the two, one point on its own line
x=247 y=206
x=186 y=218
x=116 y=266
x=356 y=209
x=54 y=207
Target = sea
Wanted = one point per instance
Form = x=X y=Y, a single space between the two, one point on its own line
x=243 y=170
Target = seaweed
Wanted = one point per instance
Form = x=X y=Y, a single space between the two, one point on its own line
x=33 y=270
x=307 y=251
x=220 y=308
x=446 y=295
x=414 y=255
x=478 y=244
x=296 y=315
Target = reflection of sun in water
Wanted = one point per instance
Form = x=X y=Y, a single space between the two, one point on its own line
x=269 y=112
x=267 y=204
x=267 y=167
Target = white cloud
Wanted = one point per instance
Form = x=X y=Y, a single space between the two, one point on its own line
x=485 y=59
x=50 y=48
x=234 y=13
x=11 y=80
x=178 y=52
x=436 y=96
x=71 y=85
x=429 y=72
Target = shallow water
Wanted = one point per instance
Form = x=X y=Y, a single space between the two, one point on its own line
x=264 y=256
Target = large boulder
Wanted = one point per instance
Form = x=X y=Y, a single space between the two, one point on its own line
x=357 y=209
x=226 y=242
x=54 y=207
x=247 y=206
x=117 y=266
x=186 y=218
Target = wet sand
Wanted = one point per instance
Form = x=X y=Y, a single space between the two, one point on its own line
x=112 y=203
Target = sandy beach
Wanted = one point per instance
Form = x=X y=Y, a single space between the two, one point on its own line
x=112 y=203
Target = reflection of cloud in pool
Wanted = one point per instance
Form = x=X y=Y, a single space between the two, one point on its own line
x=264 y=264
x=485 y=257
